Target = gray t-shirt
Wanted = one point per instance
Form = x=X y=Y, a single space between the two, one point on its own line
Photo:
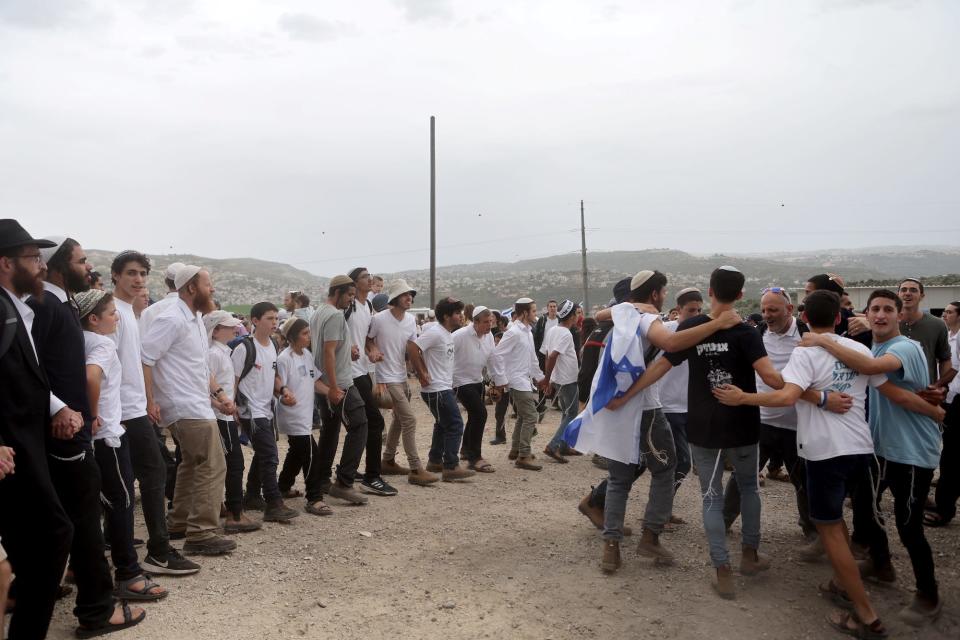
x=328 y=325
x=931 y=333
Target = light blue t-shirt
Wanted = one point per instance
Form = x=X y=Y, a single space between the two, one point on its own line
x=900 y=435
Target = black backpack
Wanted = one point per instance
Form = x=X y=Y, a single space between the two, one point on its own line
x=802 y=327
x=249 y=359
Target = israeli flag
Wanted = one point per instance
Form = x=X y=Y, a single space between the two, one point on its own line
x=613 y=434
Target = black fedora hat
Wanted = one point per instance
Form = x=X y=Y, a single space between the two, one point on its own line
x=13 y=235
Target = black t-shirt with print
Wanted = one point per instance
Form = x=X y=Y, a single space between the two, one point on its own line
x=726 y=357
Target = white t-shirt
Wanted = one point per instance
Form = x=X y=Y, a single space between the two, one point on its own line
x=257 y=387
x=822 y=434
x=358 y=324
x=221 y=368
x=297 y=374
x=133 y=394
x=391 y=337
x=673 y=386
x=436 y=343
x=102 y=352
x=548 y=324
x=650 y=397
x=471 y=354
x=779 y=348
x=560 y=339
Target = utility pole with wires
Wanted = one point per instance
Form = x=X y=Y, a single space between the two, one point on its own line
x=433 y=213
x=583 y=254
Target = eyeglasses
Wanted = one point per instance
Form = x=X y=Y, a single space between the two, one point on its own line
x=35 y=257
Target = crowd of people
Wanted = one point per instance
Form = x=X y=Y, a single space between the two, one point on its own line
x=850 y=403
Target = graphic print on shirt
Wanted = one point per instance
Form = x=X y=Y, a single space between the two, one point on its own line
x=842 y=377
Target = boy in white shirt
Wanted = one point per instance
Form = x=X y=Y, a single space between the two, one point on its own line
x=562 y=367
x=221 y=328
x=297 y=375
x=256 y=382
x=432 y=359
x=98 y=315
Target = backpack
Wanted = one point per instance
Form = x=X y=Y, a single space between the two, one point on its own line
x=353 y=307
x=249 y=359
x=802 y=327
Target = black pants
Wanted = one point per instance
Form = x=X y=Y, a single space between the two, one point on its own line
x=471 y=396
x=948 y=488
x=150 y=470
x=77 y=483
x=116 y=494
x=352 y=414
x=262 y=476
x=36 y=534
x=301 y=454
x=375 y=425
x=909 y=486
x=230 y=437
x=782 y=443
x=500 y=413
x=171 y=461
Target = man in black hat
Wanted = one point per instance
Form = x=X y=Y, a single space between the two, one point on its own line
x=36 y=532
x=76 y=476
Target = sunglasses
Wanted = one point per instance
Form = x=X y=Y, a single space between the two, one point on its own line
x=778 y=290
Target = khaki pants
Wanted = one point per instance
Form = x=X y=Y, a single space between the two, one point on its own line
x=200 y=479
x=525 y=402
x=404 y=424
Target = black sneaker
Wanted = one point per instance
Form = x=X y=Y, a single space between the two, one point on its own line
x=214 y=546
x=378 y=486
x=254 y=503
x=279 y=513
x=171 y=564
x=178 y=535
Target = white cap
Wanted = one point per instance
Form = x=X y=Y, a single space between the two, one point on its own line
x=185 y=274
x=219 y=317
x=687 y=290
x=477 y=310
x=49 y=252
x=565 y=309
x=524 y=300
x=171 y=272
x=637 y=281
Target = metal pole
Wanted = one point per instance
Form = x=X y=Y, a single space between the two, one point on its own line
x=433 y=213
x=583 y=253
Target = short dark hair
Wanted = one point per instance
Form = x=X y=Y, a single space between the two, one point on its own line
x=519 y=308
x=355 y=273
x=919 y=284
x=824 y=281
x=954 y=304
x=303 y=300
x=60 y=260
x=654 y=283
x=446 y=308
x=886 y=293
x=121 y=259
x=553 y=301
x=727 y=284
x=97 y=309
x=821 y=308
x=689 y=296
x=298 y=325
x=258 y=310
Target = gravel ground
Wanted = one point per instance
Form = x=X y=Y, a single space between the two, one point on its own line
x=507 y=555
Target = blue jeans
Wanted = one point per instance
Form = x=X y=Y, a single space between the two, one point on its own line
x=447 y=427
x=678 y=425
x=569 y=403
x=710 y=471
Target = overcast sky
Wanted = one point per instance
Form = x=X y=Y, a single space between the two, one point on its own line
x=298 y=131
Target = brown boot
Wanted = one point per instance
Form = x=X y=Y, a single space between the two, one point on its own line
x=391 y=468
x=239 y=524
x=553 y=453
x=724 y=586
x=595 y=515
x=513 y=455
x=886 y=574
x=457 y=473
x=650 y=546
x=421 y=477
x=752 y=562
x=528 y=463
x=610 y=560
x=434 y=467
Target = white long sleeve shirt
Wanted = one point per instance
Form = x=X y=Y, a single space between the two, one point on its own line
x=516 y=364
x=175 y=345
x=471 y=354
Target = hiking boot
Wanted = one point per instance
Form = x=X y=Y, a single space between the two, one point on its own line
x=391 y=468
x=170 y=564
x=752 y=562
x=650 y=546
x=550 y=452
x=279 y=512
x=595 y=515
x=378 y=487
x=528 y=463
x=215 y=546
x=886 y=574
x=724 y=585
x=254 y=503
x=348 y=494
x=457 y=473
x=610 y=560
x=434 y=467
x=812 y=552
x=513 y=455
x=239 y=524
x=421 y=477
x=921 y=612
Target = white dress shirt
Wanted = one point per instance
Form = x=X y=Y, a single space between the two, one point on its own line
x=779 y=347
x=221 y=368
x=516 y=363
x=175 y=345
x=471 y=354
x=147 y=315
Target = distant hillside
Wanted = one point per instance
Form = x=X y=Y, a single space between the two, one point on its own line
x=243 y=281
